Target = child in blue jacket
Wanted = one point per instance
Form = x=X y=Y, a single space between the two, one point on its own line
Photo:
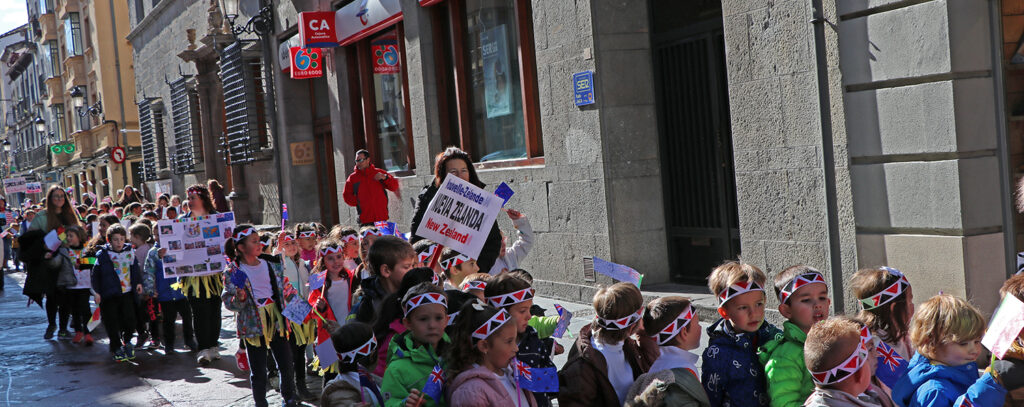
x=947 y=332
x=731 y=373
x=172 y=302
x=115 y=280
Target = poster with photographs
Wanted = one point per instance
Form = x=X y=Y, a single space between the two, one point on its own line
x=195 y=246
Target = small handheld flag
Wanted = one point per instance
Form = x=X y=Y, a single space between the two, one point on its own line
x=317 y=280
x=94 y=320
x=504 y=192
x=284 y=214
x=615 y=271
x=238 y=278
x=535 y=379
x=435 y=384
x=564 y=318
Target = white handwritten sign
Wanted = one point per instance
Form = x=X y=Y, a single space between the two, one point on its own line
x=460 y=216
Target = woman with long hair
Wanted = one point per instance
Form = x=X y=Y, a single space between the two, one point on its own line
x=58 y=213
x=128 y=195
x=203 y=292
x=220 y=201
x=42 y=275
x=456 y=162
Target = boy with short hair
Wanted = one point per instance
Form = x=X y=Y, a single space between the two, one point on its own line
x=837 y=354
x=115 y=281
x=803 y=300
x=389 y=258
x=731 y=373
x=606 y=360
x=457 y=267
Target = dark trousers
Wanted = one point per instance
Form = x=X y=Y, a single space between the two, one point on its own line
x=118 y=314
x=146 y=318
x=57 y=303
x=257 y=355
x=206 y=320
x=298 y=362
x=171 y=310
x=80 y=310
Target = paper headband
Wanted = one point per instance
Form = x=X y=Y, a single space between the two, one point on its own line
x=492 y=325
x=675 y=327
x=435 y=279
x=329 y=250
x=512 y=298
x=799 y=281
x=890 y=293
x=425 y=299
x=242 y=234
x=734 y=290
x=349 y=238
x=451 y=317
x=472 y=285
x=307 y=234
x=193 y=190
x=371 y=232
x=425 y=255
x=287 y=237
x=849 y=366
x=454 y=262
x=366 y=349
x=621 y=323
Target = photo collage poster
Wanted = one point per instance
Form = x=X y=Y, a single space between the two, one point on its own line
x=195 y=246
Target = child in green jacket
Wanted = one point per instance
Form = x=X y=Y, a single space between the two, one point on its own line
x=414 y=353
x=804 y=301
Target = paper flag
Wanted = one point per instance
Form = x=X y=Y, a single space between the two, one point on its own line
x=1005 y=326
x=94 y=321
x=535 y=379
x=317 y=280
x=564 y=318
x=284 y=215
x=238 y=278
x=435 y=384
x=297 y=310
x=618 y=271
x=504 y=192
x=326 y=353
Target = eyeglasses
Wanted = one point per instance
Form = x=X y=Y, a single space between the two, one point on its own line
x=359 y=160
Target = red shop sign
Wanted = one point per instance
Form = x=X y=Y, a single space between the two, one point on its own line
x=307 y=63
x=385 y=58
x=317 y=29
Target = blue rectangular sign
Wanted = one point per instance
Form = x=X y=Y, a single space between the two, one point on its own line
x=583 y=87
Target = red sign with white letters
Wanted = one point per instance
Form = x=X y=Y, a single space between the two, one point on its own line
x=307 y=63
x=317 y=29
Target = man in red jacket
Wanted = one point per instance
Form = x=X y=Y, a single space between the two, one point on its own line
x=366 y=189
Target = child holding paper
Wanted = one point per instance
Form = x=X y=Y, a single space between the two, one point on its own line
x=253 y=289
x=414 y=354
x=172 y=302
x=334 y=299
x=79 y=294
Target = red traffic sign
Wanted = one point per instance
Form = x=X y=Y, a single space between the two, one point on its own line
x=117 y=155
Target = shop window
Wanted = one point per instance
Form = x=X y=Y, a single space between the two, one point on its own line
x=492 y=79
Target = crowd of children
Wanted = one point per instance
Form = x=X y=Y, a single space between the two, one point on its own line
x=391 y=323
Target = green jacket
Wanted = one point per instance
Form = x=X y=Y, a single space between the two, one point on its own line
x=789 y=382
x=409 y=364
x=673 y=387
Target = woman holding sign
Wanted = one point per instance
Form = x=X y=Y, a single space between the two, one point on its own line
x=41 y=279
x=203 y=292
x=456 y=162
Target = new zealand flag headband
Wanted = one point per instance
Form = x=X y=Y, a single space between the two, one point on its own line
x=889 y=293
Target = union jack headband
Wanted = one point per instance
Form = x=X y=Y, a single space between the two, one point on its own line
x=492 y=325
x=621 y=323
x=307 y=234
x=454 y=261
x=849 y=366
x=242 y=234
x=734 y=290
x=889 y=293
x=366 y=349
x=799 y=281
x=329 y=250
x=472 y=285
x=677 y=326
x=349 y=238
x=425 y=255
x=287 y=237
x=371 y=232
x=512 y=298
x=425 y=299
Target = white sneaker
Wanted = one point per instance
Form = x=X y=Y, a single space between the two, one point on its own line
x=213 y=353
x=203 y=358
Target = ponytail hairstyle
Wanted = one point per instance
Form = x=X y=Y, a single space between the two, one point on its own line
x=889 y=321
x=462 y=352
x=356 y=346
x=238 y=234
x=141 y=231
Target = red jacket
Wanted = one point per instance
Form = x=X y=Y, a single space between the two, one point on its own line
x=368 y=195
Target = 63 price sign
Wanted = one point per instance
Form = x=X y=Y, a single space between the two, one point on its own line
x=307 y=63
